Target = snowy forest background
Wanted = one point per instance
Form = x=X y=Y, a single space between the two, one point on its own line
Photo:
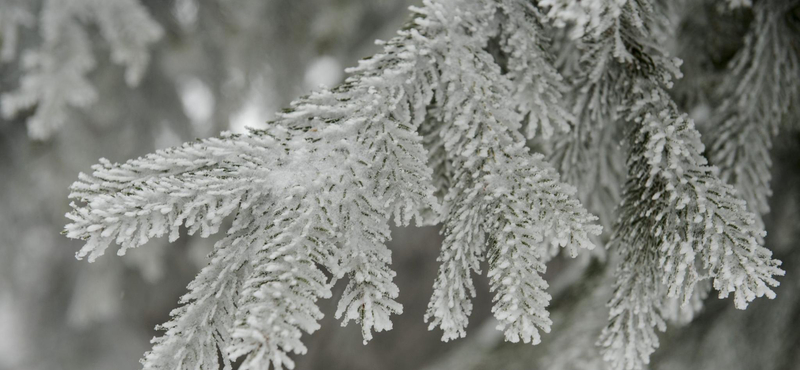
x=208 y=66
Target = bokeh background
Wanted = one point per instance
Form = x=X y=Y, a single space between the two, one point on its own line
x=229 y=64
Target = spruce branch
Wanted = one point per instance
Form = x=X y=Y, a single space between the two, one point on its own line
x=317 y=188
x=678 y=222
x=759 y=89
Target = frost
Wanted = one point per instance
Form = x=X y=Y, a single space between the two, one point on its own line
x=439 y=127
x=760 y=88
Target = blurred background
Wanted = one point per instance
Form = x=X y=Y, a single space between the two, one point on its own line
x=85 y=79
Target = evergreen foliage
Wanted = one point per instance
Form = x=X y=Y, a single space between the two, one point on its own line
x=437 y=128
